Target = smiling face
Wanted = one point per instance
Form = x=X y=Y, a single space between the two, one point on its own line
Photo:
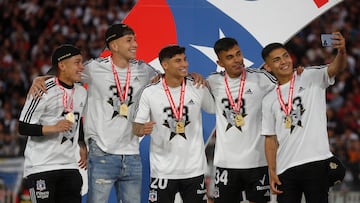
x=124 y=47
x=280 y=63
x=176 y=66
x=70 y=69
x=232 y=60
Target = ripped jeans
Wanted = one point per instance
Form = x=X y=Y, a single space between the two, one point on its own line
x=108 y=170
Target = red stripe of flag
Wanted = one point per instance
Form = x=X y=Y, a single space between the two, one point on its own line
x=320 y=3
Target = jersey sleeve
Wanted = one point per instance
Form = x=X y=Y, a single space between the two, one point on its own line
x=85 y=75
x=142 y=108
x=208 y=101
x=152 y=72
x=318 y=75
x=33 y=109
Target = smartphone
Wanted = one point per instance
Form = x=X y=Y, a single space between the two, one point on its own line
x=326 y=40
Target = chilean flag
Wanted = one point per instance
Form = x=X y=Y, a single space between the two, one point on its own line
x=197 y=24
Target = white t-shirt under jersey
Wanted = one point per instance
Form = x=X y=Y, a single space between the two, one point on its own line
x=102 y=123
x=307 y=139
x=240 y=147
x=57 y=151
x=181 y=156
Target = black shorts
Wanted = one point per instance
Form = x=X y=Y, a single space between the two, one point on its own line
x=192 y=190
x=56 y=186
x=229 y=184
x=310 y=179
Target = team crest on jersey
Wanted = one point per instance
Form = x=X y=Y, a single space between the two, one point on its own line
x=40 y=185
x=216 y=192
x=152 y=195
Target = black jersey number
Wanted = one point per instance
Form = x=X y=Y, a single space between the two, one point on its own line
x=170 y=114
x=227 y=105
x=115 y=93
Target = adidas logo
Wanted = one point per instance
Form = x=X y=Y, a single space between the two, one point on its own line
x=81 y=104
x=301 y=89
x=191 y=102
x=136 y=78
x=249 y=91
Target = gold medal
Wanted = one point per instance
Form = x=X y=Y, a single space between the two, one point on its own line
x=180 y=127
x=288 y=122
x=123 y=111
x=239 y=120
x=70 y=117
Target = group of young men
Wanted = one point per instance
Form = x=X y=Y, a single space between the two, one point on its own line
x=126 y=99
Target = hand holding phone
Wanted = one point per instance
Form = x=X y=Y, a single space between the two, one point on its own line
x=326 y=40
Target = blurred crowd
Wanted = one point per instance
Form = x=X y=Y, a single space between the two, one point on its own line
x=31 y=29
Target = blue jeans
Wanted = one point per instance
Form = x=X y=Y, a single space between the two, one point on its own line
x=108 y=170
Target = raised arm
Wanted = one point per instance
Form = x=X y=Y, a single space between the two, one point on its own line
x=340 y=61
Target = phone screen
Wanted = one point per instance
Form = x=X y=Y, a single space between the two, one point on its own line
x=326 y=40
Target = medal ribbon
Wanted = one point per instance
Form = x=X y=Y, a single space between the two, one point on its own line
x=286 y=108
x=178 y=114
x=68 y=108
x=236 y=107
x=122 y=96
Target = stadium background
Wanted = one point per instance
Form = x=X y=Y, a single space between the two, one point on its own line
x=30 y=29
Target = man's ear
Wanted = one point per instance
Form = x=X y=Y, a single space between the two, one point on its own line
x=61 y=66
x=219 y=63
x=112 y=45
x=164 y=65
x=267 y=68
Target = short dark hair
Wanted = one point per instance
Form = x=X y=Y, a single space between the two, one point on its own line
x=170 y=51
x=224 y=44
x=116 y=31
x=269 y=48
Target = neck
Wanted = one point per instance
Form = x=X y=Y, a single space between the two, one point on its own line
x=120 y=62
x=173 y=81
x=284 y=80
x=234 y=75
x=68 y=84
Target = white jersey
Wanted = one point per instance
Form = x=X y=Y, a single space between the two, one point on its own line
x=56 y=151
x=307 y=139
x=175 y=156
x=102 y=122
x=240 y=147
